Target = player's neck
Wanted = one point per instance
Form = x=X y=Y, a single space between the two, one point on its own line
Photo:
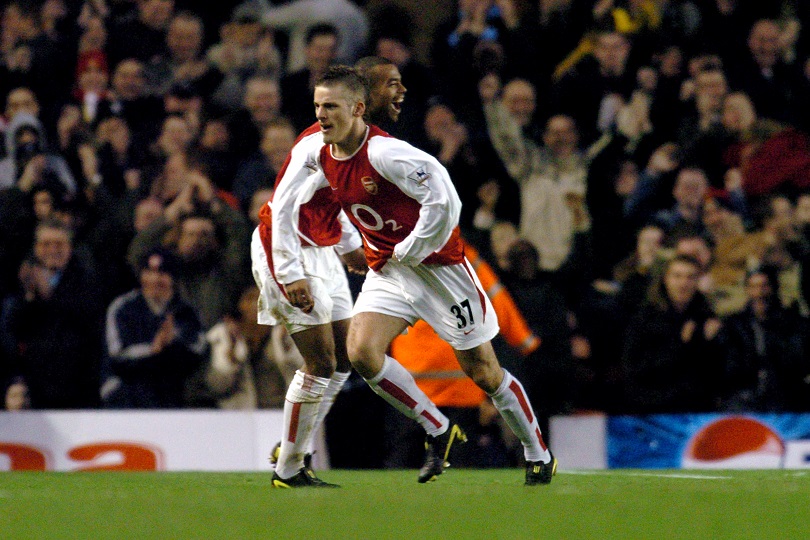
x=352 y=142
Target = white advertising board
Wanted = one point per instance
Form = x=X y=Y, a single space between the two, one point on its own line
x=142 y=440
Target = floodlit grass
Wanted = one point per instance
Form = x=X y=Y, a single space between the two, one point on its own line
x=629 y=504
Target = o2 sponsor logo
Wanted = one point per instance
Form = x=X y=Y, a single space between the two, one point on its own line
x=100 y=456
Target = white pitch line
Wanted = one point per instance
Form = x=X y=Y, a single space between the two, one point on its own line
x=653 y=475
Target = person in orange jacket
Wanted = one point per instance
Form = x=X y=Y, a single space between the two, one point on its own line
x=437 y=373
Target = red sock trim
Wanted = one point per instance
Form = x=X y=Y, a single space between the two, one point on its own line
x=540 y=438
x=296 y=411
x=524 y=404
x=397 y=393
x=431 y=419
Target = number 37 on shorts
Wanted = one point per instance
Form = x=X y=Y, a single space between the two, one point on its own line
x=463 y=313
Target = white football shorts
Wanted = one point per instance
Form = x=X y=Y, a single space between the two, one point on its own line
x=327 y=282
x=449 y=298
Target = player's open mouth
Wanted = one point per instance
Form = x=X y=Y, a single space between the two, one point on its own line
x=397 y=105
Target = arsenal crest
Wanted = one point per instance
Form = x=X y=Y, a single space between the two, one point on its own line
x=370 y=185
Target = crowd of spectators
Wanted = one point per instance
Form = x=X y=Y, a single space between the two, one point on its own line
x=637 y=172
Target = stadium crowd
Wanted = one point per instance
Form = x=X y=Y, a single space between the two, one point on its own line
x=636 y=172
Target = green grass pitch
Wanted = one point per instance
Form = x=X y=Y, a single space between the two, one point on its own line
x=628 y=504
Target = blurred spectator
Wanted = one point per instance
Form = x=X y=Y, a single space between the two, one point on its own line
x=772 y=84
x=175 y=141
x=297 y=86
x=672 y=360
x=29 y=162
x=786 y=250
x=700 y=137
x=245 y=49
x=766 y=351
x=216 y=154
x=183 y=61
x=773 y=158
x=476 y=40
x=53 y=325
x=18 y=100
x=142 y=37
x=154 y=341
x=16 y=395
x=261 y=170
x=392 y=39
x=734 y=252
x=296 y=17
x=486 y=193
x=121 y=159
x=92 y=79
x=543 y=305
x=261 y=105
x=242 y=373
x=551 y=177
x=684 y=217
x=33 y=59
x=594 y=90
x=635 y=273
x=725 y=25
x=210 y=239
x=129 y=100
x=260 y=197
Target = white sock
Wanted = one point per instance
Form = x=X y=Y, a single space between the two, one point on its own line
x=337 y=381
x=301 y=406
x=396 y=386
x=512 y=402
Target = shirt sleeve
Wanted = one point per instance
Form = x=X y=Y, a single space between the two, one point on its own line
x=350 y=237
x=287 y=198
x=420 y=176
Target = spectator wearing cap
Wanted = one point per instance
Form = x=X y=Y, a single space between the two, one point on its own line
x=154 y=340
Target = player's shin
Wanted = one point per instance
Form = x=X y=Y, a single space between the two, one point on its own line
x=512 y=402
x=396 y=386
x=303 y=400
x=336 y=382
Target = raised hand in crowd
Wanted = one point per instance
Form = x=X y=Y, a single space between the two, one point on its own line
x=489 y=87
x=165 y=335
x=36 y=281
x=663 y=160
x=32 y=173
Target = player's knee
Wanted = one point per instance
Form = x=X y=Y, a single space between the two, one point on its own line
x=487 y=375
x=363 y=354
x=319 y=358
